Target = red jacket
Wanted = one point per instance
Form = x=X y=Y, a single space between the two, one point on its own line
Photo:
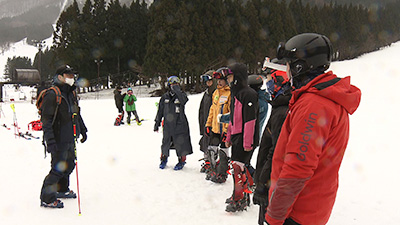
x=314 y=136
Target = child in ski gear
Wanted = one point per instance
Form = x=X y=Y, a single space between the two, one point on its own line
x=130 y=107
x=314 y=136
x=279 y=88
x=119 y=103
x=243 y=135
x=58 y=130
x=256 y=82
x=218 y=152
x=176 y=134
x=204 y=109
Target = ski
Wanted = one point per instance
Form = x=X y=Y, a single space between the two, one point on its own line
x=31 y=135
x=5 y=126
x=23 y=136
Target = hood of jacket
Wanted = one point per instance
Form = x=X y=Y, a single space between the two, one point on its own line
x=329 y=86
x=240 y=76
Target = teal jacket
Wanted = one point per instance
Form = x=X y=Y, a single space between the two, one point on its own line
x=130 y=103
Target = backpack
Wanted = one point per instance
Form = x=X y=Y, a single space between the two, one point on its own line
x=39 y=100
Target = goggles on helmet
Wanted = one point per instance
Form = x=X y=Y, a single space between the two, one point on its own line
x=204 y=78
x=173 y=80
x=283 y=53
x=222 y=73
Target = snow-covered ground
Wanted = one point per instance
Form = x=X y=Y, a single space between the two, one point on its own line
x=120 y=182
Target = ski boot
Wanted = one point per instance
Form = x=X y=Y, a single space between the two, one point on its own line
x=205 y=166
x=55 y=205
x=221 y=167
x=164 y=160
x=181 y=163
x=238 y=205
x=219 y=178
x=68 y=194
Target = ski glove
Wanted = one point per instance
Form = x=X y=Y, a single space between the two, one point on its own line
x=51 y=147
x=155 y=128
x=260 y=196
x=208 y=131
x=84 y=138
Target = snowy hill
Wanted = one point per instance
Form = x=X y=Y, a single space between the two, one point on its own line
x=120 y=182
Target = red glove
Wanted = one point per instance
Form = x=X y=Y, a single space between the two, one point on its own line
x=208 y=131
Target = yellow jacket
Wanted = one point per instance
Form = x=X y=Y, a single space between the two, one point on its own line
x=221 y=101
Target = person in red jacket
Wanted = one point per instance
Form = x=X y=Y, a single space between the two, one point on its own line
x=314 y=136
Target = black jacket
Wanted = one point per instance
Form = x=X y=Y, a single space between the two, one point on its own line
x=270 y=137
x=176 y=127
x=62 y=130
x=244 y=124
x=119 y=99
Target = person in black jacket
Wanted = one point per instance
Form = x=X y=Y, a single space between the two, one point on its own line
x=243 y=135
x=279 y=88
x=58 y=129
x=119 y=103
x=204 y=110
x=176 y=134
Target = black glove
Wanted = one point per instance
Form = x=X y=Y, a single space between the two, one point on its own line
x=84 y=137
x=51 y=146
x=176 y=88
x=155 y=128
x=260 y=196
x=208 y=131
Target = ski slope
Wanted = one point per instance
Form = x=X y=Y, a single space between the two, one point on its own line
x=120 y=182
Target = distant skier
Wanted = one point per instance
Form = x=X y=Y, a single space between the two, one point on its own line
x=176 y=134
x=119 y=103
x=58 y=129
x=204 y=109
x=130 y=106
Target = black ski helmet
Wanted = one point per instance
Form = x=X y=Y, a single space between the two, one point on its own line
x=306 y=52
x=255 y=81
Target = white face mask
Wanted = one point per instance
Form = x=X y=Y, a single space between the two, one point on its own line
x=70 y=81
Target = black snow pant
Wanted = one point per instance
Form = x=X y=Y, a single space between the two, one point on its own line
x=62 y=165
x=129 y=116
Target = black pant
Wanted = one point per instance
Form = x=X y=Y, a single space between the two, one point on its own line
x=135 y=114
x=62 y=165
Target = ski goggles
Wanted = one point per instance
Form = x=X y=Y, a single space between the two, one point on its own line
x=173 y=80
x=204 y=78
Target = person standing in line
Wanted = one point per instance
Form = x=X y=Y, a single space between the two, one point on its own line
x=218 y=152
x=243 y=135
x=176 y=133
x=59 y=122
x=204 y=109
x=256 y=82
x=279 y=88
x=314 y=136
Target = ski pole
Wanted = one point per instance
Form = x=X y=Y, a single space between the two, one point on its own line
x=1 y=109
x=16 y=129
x=76 y=162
